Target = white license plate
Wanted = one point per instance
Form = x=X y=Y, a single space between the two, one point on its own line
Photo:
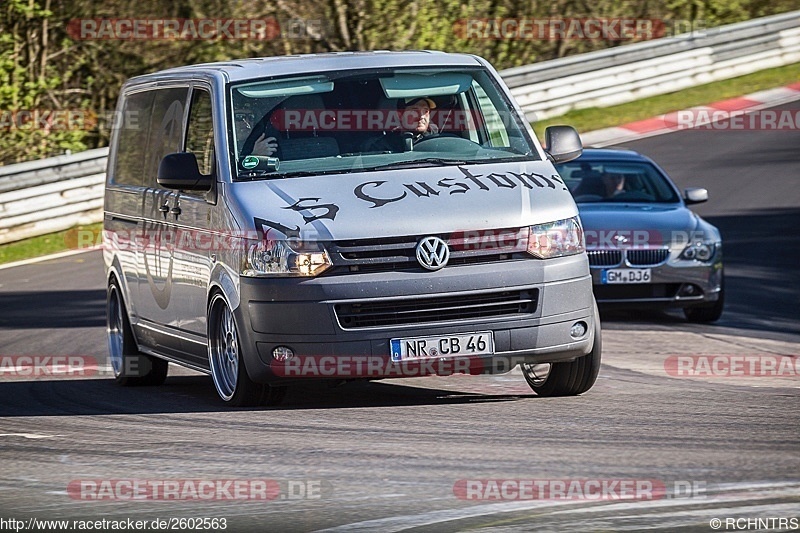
x=625 y=275
x=480 y=343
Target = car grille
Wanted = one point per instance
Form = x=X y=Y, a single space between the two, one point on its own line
x=604 y=257
x=399 y=253
x=647 y=257
x=612 y=258
x=436 y=309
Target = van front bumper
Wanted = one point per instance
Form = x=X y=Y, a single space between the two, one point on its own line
x=305 y=316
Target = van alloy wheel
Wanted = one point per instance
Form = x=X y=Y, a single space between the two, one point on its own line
x=130 y=367
x=233 y=384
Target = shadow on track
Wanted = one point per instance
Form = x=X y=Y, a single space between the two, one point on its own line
x=53 y=309
x=195 y=394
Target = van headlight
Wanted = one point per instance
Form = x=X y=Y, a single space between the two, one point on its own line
x=286 y=258
x=556 y=239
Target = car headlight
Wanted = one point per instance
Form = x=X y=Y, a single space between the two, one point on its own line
x=698 y=251
x=556 y=239
x=285 y=258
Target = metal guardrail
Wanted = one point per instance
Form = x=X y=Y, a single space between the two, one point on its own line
x=58 y=193
x=53 y=194
x=630 y=72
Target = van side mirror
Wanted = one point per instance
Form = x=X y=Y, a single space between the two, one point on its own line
x=563 y=143
x=695 y=195
x=180 y=171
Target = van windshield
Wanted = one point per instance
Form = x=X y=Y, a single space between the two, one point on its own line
x=372 y=120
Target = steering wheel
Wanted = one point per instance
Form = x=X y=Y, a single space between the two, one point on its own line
x=445 y=142
x=633 y=196
x=589 y=198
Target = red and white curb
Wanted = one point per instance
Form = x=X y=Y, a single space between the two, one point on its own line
x=697 y=116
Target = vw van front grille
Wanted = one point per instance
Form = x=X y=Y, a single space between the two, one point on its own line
x=399 y=253
x=436 y=309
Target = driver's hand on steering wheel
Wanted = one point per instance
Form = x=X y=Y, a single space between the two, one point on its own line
x=265 y=145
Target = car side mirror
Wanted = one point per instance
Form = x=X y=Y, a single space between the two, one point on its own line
x=695 y=195
x=179 y=171
x=563 y=143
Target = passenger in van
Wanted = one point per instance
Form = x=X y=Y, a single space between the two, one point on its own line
x=263 y=145
x=246 y=117
x=416 y=125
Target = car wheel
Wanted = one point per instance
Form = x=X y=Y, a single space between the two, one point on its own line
x=233 y=385
x=706 y=313
x=569 y=378
x=130 y=367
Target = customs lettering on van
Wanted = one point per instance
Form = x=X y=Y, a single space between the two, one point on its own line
x=375 y=193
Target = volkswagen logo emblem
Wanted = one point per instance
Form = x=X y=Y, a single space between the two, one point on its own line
x=433 y=253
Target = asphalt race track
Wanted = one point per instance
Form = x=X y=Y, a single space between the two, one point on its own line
x=420 y=454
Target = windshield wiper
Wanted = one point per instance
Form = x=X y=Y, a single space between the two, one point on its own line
x=257 y=174
x=417 y=163
x=263 y=174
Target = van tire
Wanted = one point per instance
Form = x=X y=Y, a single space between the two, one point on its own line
x=569 y=378
x=233 y=385
x=130 y=367
x=273 y=395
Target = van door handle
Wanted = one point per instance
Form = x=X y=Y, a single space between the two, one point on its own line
x=164 y=209
x=176 y=211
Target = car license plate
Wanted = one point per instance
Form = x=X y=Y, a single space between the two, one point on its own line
x=480 y=343
x=625 y=275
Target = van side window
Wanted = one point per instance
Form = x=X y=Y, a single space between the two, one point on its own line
x=200 y=134
x=166 y=128
x=134 y=127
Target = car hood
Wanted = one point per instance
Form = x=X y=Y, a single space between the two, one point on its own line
x=644 y=224
x=418 y=201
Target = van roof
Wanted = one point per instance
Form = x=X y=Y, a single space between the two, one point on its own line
x=244 y=69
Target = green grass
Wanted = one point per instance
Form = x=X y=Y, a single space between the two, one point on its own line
x=596 y=118
x=51 y=243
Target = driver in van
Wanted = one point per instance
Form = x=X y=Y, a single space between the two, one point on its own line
x=415 y=119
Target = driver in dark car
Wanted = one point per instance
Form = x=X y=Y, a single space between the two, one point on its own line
x=415 y=119
x=613 y=184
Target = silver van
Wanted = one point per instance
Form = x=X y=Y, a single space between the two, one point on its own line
x=338 y=217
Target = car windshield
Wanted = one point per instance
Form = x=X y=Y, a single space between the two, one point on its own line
x=372 y=120
x=616 y=181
